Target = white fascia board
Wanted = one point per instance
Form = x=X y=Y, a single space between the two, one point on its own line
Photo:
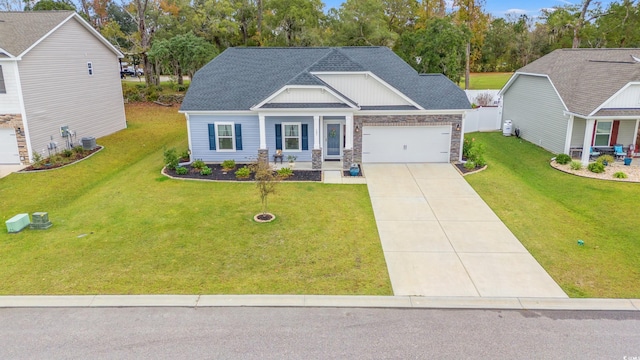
x=413 y=112
x=613 y=96
x=217 y=112
x=501 y=93
x=305 y=112
x=86 y=25
x=592 y=117
x=7 y=53
x=287 y=87
x=369 y=73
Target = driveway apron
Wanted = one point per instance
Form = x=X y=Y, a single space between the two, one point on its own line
x=441 y=239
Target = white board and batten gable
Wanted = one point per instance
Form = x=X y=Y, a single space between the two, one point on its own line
x=627 y=98
x=365 y=89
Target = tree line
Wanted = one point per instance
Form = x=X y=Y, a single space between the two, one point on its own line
x=179 y=36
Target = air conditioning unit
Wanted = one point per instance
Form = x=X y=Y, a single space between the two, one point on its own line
x=88 y=143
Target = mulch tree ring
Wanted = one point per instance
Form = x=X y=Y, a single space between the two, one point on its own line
x=219 y=174
x=264 y=217
x=466 y=171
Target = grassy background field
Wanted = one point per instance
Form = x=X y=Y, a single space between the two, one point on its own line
x=549 y=211
x=120 y=227
x=484 y=81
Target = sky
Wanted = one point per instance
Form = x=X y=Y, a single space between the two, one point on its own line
x=498 y=8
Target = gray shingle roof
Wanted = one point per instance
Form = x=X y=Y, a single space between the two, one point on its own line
x=586 y=78
x=240 y=78
x=20 y=30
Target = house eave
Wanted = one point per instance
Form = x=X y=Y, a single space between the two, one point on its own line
x=596 y=117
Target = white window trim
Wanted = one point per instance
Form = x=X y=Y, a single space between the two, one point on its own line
x=233 y=136
x=595 y=133
x=284 y=137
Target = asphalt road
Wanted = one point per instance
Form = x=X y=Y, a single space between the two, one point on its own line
x=316 y=333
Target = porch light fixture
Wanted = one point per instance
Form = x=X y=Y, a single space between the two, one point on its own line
x=357 y=128
x=19 y=131
x=457 y=127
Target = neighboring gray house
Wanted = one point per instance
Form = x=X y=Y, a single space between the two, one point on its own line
x=349 y=104
x=574 y=99
x=56 y=73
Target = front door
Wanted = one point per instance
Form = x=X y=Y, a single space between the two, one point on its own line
x=333 y=139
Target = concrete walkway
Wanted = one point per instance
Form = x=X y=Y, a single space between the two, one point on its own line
x=8 y=169
x=441 y=239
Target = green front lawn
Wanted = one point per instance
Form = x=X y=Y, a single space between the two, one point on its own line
x=122 y=228
x=485 y=81
x=549 y=211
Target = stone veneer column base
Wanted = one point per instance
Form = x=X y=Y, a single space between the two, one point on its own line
x=263 y=156
x=347 y=158
x=316 y=159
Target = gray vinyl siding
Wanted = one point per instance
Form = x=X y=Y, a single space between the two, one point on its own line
x=626 y=135
x=534 y=106
x=577 y=136
x=199 y=129
x=58 y=90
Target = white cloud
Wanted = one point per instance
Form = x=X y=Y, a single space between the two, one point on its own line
x=517 y=11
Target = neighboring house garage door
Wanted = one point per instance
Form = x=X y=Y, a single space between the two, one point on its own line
x=405 y=144
x=8 y=147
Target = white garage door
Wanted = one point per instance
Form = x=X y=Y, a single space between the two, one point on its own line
x=405 y=144
x=8 y=147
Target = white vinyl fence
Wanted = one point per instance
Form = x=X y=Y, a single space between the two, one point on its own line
x=488 y=115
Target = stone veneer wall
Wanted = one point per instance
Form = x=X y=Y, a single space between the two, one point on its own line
x=15 y=121
x=408 y=120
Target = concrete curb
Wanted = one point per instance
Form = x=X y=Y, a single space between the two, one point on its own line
x=339 y=301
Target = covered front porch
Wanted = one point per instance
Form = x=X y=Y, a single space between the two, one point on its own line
x=591 y=136
x=316 y=140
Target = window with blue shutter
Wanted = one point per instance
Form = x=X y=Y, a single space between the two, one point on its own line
x=238 y=136
x=212 y=137
x=305 y=137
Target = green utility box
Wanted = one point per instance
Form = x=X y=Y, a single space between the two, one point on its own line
x=17 y=223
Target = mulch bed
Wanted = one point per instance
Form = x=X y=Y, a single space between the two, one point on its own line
x=75 y=157
x=465 y=171
x=219 y=175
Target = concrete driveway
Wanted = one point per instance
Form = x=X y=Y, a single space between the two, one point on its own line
x=441 y=239
x=8 y=169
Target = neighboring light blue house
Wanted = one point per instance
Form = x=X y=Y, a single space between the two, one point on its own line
x=573 y=99
x=348 y=104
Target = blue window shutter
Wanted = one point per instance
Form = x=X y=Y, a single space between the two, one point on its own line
x=278 y=137
x=238 y=136
x=305 y=137
x=212 y=137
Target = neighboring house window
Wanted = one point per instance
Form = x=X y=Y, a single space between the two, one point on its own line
x=291 y=136
x=3 y=89
x=603 y=133
x=225 y=136
x=90 y=68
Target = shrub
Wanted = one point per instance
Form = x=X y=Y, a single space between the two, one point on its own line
x=476 y=154
x=37 y=160
x=181 y=170
x=576 y=165
x=67 y=153
x=563 y=159
x=78 y=149
x=605 y=159
x=466 y=146
x=291 y=158
x=171 y=158
x=228 y=165
x=205 y=171
x=185 y=155
x=285 y=172
x=596 y=167
x=198 y=164
x=55 y=159
x=620 y=175
x=469 y=165
x=243 y=173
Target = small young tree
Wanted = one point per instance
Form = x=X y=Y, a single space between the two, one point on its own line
x=266 y=181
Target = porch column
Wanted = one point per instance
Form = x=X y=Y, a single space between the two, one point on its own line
x=586 y=143
x=263 y=132
x=316 y=132
x=348 y=143
x=567 y=141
